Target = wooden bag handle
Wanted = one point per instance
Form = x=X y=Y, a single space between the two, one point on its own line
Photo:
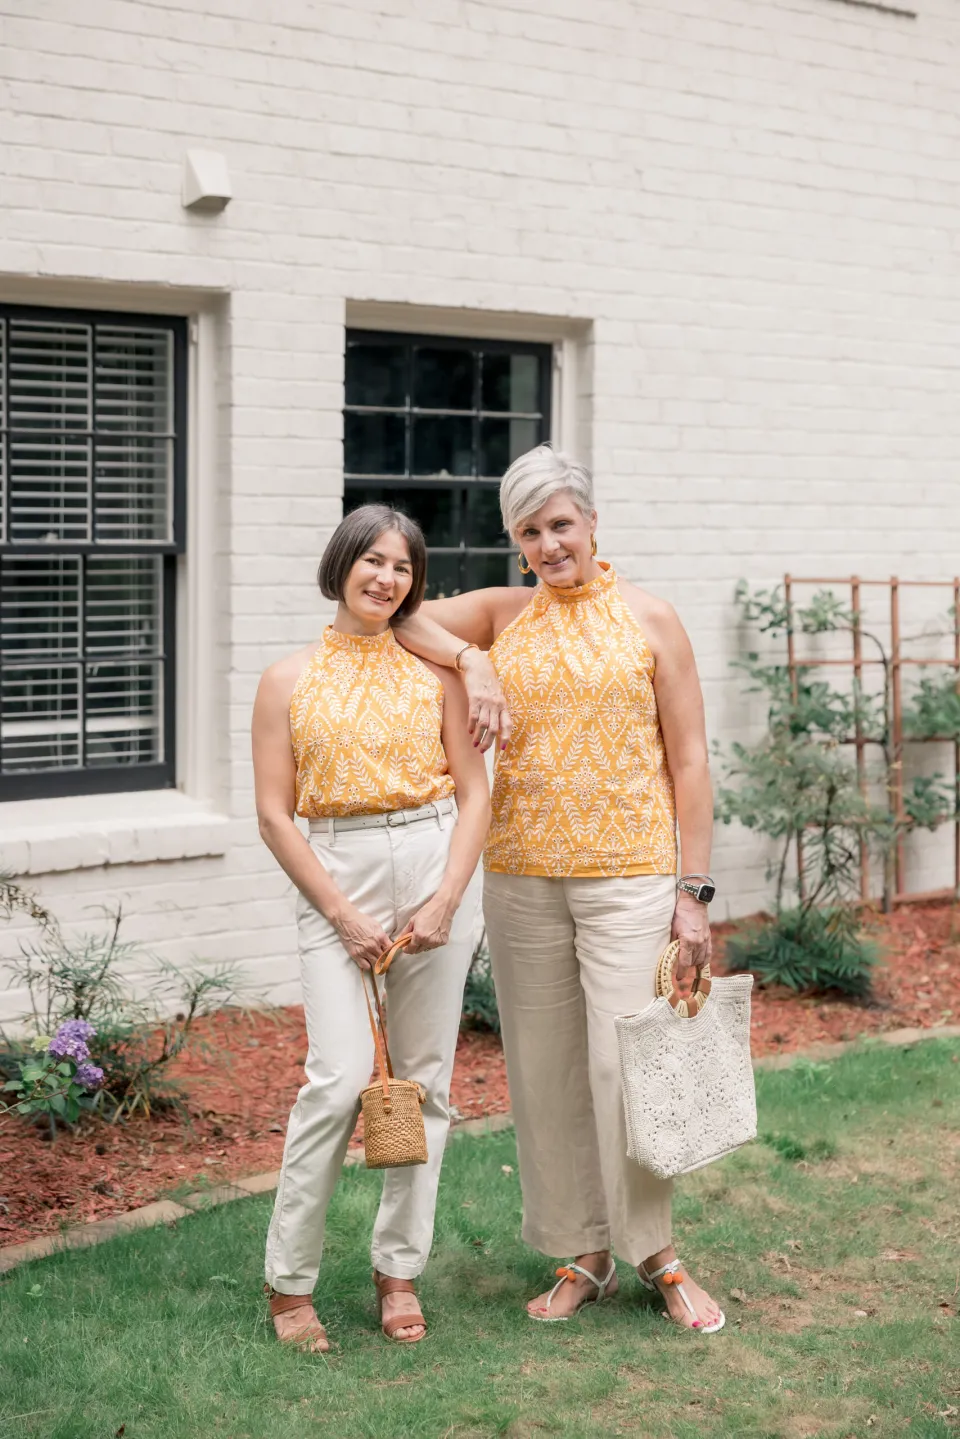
x=379 y=1031
x=667 y=987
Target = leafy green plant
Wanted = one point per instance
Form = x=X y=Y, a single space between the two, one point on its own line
x=801 y=787
x=806 y=949
x=934 y=708
x=57 y=1079
x=83 y=981
x=480 y=1009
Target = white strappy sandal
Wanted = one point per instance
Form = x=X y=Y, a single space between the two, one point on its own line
x=567 y=1271
x=672 y=1273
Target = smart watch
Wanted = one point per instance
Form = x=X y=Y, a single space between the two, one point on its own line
x=701 y=886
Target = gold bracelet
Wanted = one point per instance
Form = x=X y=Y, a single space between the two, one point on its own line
x=460 y=654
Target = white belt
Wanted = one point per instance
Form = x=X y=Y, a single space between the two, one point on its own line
x=389 y=820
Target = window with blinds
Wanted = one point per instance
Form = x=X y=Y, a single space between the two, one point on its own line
x=430 y=424
x=92 y=473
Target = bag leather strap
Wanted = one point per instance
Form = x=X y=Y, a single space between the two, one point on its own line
x=379 y=1031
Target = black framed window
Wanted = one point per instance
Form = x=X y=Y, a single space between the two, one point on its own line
x=430 y=425
x=92 y=480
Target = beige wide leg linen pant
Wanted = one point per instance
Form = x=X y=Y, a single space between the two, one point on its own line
x=567 y=956
x=389 y=874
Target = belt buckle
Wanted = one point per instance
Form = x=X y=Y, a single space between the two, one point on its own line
x=396 y=816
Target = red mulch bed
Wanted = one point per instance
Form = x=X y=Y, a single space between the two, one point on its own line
x=240 y=1095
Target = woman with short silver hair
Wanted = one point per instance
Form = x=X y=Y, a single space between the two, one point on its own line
x=607 y=757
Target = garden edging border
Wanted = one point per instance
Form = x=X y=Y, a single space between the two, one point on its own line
x=168 y=1211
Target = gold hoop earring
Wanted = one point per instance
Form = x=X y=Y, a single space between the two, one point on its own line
x=593 y=544
x=524 y=569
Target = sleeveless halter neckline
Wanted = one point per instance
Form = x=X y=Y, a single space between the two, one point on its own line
x=605 y=580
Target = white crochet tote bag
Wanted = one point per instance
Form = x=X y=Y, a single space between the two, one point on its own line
x=688 y=1091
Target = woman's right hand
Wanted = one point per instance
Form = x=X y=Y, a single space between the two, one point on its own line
x=362 y=938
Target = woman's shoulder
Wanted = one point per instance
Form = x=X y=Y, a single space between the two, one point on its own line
x=280 y=679
x=656 y=617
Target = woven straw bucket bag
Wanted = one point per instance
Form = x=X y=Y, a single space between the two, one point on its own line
x=688 y=1090
x=393 y=1132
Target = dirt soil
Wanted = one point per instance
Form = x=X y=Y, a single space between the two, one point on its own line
x=242 y=1085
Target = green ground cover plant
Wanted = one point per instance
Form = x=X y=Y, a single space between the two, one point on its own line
x=832 y=1244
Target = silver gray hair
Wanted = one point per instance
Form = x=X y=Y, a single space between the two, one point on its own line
x=534 y=478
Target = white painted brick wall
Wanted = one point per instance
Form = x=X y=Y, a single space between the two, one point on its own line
x=754 y=204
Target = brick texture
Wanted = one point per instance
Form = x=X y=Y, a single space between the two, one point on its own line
x=753 y=205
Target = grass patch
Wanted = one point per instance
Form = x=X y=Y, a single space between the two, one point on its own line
x=833 y=1251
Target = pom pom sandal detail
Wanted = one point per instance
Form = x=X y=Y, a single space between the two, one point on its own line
x=672 y=1274
x=567 y=1271
x=386 y=1284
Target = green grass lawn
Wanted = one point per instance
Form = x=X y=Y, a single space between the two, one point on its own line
x=832 y=1245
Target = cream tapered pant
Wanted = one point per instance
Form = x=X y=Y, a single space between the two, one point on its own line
x=567 y=956
x=388 y=873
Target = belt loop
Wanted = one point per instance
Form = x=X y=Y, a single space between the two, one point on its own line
x=331 y=831
x=438 y=816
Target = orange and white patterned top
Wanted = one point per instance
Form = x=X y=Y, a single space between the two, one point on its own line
x=365 y=720
x=583 y=787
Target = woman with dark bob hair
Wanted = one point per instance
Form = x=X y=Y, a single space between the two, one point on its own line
x=371 y=746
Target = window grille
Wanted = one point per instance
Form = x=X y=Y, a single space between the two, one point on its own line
x=92 y=472
x=430 y=425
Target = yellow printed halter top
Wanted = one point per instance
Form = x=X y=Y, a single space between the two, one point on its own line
x=365 y=720
x=583 y=787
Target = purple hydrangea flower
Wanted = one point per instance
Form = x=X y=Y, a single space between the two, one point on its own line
x=88 y=1076
x=70 y=1040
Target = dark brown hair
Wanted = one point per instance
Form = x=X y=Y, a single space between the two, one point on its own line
x=357 y=533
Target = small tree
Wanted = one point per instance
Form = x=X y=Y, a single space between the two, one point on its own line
x=799 y=786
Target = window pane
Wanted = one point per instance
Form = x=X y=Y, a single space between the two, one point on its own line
x=484 y=522
x=123 y=605
x=50 y=488
x=511 y=382
x=134 y=489
x=373 y=444
x=375 y=374
x=40 y=726
x=123 y=714
x=442 y=445
x=443 y=576
x=443 y=379
x=134 y=380
x=436 y=509
x=39 y=607
x=483 y=570
x=502 y=441
x=50 y=371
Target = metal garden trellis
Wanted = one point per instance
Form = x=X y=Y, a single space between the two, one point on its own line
x=894 y=679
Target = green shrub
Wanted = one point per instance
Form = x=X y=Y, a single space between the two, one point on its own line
x=479 y=996
x=82 y=979
x=808 y=949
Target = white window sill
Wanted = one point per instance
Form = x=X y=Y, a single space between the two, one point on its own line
x=44 y=836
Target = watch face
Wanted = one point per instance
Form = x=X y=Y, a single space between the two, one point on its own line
x=707 y=891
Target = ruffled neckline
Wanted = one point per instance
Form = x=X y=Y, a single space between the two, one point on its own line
x=605 y=580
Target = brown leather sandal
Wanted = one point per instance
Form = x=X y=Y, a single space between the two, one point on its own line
x=310 y=1335
x=388 y=1285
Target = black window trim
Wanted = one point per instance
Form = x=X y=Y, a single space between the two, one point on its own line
x=543 y=350
x=49 y=784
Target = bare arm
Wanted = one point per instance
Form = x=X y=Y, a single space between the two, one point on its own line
x=439 y=631
x=680 y=703
x=274 y=772
x=431 y=924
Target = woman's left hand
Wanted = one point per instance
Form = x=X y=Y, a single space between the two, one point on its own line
x=489 y=717
x=430 y=926
x=691 y=925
